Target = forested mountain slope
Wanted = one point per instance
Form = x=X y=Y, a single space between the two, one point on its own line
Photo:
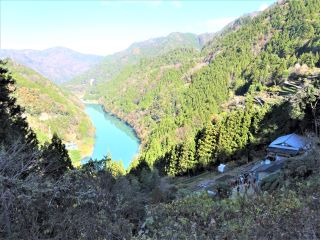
x=49 y=110
x=194 y=110
x=66 y=203
x=114 y=64
x=44 y=197
x=170 y=98
x=58 y=64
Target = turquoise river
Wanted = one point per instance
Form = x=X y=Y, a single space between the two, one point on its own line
x=112 y=136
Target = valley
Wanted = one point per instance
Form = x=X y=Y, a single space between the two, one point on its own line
x=178 y=98
x=111 y=66
x=177 y=91
x=184 y=136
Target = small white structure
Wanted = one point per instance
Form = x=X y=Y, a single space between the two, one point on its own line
x=267 y=161
x=221 y=167
x=211 y=193
x=71 y=146
x=44 y=116
x=91 y=81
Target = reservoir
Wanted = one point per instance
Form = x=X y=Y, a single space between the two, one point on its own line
x=112 y=136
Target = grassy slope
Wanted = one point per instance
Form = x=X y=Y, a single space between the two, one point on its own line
x=50 y=109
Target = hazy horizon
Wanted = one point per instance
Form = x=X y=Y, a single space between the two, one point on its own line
x=106 y=27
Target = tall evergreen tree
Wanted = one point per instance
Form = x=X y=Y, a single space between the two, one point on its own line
x=55 y=158
x=206 y=145
x=13 y=126
x=187 y=161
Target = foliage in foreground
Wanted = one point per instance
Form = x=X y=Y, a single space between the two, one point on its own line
x=289 y=211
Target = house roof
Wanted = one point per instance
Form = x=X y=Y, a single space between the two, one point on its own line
x=283 y=149
x=291 y=141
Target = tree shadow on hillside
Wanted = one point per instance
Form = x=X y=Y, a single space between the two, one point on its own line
x=275 y=123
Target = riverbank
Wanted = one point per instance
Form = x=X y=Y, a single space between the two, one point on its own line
x=123 y=118
x=124 y=121
x=120 y=118
x=85 y=150
x=89 y=101
x=113 y=135
x=132 y=124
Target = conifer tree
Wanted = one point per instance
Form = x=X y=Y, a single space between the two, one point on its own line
x=206 y=145
x=13 y=126
x=187 y=162
x=55 y=158
x=172 y=166
x=116 y=168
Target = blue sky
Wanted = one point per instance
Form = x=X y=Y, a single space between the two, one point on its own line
x=104 y=27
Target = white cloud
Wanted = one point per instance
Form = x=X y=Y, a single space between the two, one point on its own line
x=214 y=25
x=263 y=7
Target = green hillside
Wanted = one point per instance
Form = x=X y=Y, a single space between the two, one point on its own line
x=171 y=97
x=96 y=201
x=111 y=65
x=257 y=80
x=49 y=109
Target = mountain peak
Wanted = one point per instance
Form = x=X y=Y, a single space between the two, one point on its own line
x=57 y=63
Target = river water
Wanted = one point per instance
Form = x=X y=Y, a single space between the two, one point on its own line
x=112 y=136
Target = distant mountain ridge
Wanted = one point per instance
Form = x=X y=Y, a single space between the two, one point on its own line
x=59 y=64
x=113 y=64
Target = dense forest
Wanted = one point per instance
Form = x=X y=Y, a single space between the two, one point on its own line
x=114 y=64
x=256 y=79
x=44 y=197
x=173 y=99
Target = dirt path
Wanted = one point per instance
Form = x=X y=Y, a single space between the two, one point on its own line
x=233 y=173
